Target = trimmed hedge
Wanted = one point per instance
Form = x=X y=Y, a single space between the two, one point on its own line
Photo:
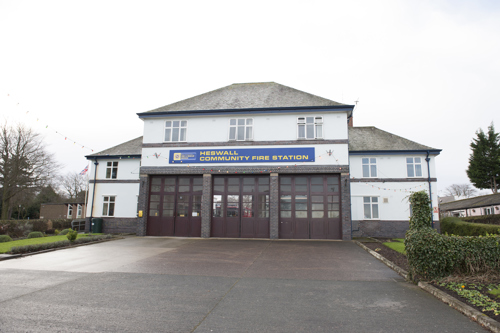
x=431 y=255
x=485 y=219
x=20 y=228
x=64 y=243
x=456 y=226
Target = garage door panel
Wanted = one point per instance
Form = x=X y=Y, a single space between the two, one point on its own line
x=246 y=213
x=173 y=211
x=310 y=207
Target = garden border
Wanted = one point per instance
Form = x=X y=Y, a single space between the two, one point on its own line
x=471 y=313
x=4 y=256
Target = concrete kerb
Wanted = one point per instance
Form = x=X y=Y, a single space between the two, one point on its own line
x=391 y=265
x=481 y=318
x=470 y=312
x=15 y=256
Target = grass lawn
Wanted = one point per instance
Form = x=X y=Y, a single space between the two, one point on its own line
x=397 y=246
x=5 y=247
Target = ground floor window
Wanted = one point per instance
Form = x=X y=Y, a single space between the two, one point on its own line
x=370 y=205
x=108 y=206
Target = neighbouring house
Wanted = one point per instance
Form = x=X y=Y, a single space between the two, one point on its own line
x=477 y=206
x=259 y=160
x=68 y=210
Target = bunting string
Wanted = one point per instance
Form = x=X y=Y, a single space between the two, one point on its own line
x=29 y=114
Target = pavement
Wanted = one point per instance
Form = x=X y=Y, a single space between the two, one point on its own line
x=155 y=284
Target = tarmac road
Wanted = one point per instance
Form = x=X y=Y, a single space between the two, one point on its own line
x=153 y=284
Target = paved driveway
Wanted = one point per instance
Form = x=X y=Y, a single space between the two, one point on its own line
x=144 y=284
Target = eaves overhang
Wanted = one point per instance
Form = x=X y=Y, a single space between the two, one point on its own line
x=118 y=157
x=220 y=112
x=395 y=152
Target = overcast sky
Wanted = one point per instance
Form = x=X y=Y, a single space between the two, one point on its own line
x=425 y=70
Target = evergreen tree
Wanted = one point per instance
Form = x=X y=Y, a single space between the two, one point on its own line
x=484 y=161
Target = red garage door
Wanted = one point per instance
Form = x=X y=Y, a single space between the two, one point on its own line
x=310 y=207
x=240 y=207
x=175 y=206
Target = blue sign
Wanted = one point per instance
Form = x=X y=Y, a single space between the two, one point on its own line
x=249 y=155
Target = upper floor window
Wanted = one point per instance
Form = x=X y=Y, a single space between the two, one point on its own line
x=70 y=211
x=111 y=170
x=414 y=166
x=108 y=206
x=370 y=207
x=369 y=167
x=241 y=129
x=175 y=130
x=310 y=128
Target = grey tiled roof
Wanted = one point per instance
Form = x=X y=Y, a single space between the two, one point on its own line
x=481 y=201
x=132 y=147
x=249 y=96
x=372 y=139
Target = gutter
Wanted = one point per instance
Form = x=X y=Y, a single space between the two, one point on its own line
x=93 y=194
x=428 y=159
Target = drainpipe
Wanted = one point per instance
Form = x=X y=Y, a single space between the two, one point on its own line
x=93 y=195
x=427 y=159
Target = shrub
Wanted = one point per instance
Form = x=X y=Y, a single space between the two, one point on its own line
x=38 y=247
x=61 y=224
x=64 y=243
x=56 y=232
x=486 y=219
x=35 y=234
x=431 y=255
x=455 y=226
x=91 y=239
x=39 y=225
x=49 y=231
x=65 y=231
x=421 y=216
x=5 y=238
x=72 y=234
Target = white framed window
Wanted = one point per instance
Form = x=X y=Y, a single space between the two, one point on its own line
x=370 y=208
x=241 y=129
x=78 y=211
x=487 y=211
x=108 y=205
x=369 y=167
x=111 y=170
x=309 y=128
x=70 y=211
x=175 y=130
x=414 y=166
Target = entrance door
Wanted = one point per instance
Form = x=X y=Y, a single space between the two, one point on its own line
x=240 y=207
x=175 y=206
x=310 y=207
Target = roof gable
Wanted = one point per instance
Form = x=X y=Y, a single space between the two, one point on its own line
x=249 y=96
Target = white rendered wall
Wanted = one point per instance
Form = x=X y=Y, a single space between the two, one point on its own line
x=391 y=166
x=128 y=168
x=126 y=195
x=397 y=208
x=268 y=127
x=396 y=193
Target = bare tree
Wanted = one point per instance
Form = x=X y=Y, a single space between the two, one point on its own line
x=74 y=185
x=461 y=191
x=25 y=165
